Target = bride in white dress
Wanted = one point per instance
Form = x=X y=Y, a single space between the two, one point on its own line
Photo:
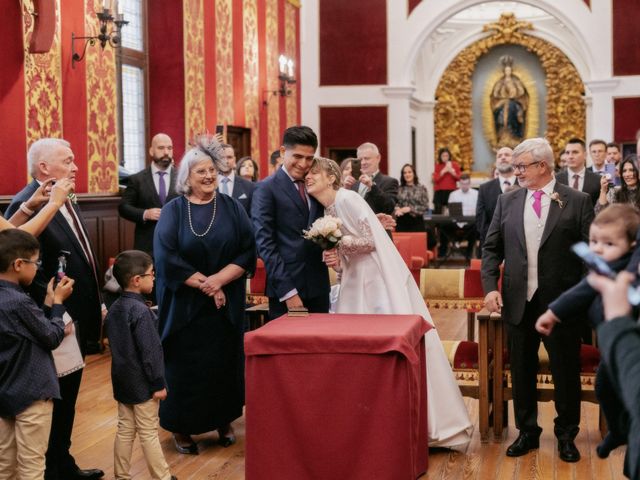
x=374 y=279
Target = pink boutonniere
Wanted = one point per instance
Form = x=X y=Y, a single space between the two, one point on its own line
x=556 y=198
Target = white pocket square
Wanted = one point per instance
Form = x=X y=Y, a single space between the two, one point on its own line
x=244 y=195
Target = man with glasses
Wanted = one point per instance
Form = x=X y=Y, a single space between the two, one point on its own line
x=532 y=231
x=53 y=158
x=576 y=175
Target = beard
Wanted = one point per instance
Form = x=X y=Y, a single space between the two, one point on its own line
x=504 y=168
x=163 y=162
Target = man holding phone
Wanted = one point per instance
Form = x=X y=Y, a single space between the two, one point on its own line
x=532 y=231
x=380 y=191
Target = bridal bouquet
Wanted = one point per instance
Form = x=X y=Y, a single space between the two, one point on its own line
x=325 y=232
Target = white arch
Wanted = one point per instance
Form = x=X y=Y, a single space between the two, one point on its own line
x=593 y=37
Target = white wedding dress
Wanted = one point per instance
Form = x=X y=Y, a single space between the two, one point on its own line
x=375 y=279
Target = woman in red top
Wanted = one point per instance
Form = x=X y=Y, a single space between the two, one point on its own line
x=445 y=176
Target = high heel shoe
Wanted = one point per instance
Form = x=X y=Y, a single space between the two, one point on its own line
x=188 y=448
x=227 y=436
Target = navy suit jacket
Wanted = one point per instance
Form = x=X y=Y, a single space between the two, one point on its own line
x=84 y=304
x=279 y=217
x=140 y=195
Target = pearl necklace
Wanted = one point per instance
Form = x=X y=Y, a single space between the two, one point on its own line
x=213 y=217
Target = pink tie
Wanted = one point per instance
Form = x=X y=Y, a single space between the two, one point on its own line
x=537 y=203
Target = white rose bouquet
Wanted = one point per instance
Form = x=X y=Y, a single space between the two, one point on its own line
x=325 y=232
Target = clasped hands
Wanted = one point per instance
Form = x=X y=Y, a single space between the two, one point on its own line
x=332 y=259
x=210 y=286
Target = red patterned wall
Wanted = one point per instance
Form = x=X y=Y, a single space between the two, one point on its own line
x=348 y=127
x=626 y=39
x=353 y=42
x=626 y=118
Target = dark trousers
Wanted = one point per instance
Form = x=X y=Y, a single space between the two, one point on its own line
x=60 y=464
x=563 y=346
x=314 y=305
x=613 y=409
x=440 y=200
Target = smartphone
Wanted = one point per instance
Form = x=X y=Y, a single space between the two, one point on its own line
x=63 y=259
x=612 y=172
x=356 y=169
x=219 y=129
x=592 y=261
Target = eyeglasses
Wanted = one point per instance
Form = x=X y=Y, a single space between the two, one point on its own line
x=203 y=172
x=152 y=274
x=522 y=167
x=37 y=263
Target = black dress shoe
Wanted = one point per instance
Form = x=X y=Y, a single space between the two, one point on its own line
x=188 y=449
x=522 y=445
x=608 y=443
x=89 y=473
x=227 y=436
x=568 y=451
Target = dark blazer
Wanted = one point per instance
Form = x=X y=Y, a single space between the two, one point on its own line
x=383 y=194
x=558 y=270
x=84 y=304
x=140 y=195
x=488 y=194
x=279 y=217
x=243 y=192
x=619 y=342
x=591 y=183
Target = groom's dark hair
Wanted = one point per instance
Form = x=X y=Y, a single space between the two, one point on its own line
x=299 y=135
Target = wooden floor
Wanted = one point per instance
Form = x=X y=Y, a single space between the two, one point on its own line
x=96 y=423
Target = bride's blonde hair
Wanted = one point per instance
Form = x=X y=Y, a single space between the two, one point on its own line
x=329 y=167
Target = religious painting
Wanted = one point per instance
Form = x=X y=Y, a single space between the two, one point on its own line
x=509 y=101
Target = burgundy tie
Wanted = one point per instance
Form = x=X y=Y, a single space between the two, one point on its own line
x=576 y=182
x=537 y=202
x=162 y=188
x=301 y=191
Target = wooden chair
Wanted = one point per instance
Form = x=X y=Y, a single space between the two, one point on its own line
x=413 y=262
x=418 y=245
x=589 y=360
x=470 y=361
x=456 y=289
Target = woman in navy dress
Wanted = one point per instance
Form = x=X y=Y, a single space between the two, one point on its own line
x=204 y=247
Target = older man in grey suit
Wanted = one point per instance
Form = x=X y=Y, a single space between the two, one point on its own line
x=532 y=230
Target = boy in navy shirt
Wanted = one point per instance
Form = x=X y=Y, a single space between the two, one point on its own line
x=28 y=379
x=137 y=366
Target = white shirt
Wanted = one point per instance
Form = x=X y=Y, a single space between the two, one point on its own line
x=156 y=177
x=511 y=180
x=533 y=230
x=231 y=178
x=581 y=174
x=468 y=200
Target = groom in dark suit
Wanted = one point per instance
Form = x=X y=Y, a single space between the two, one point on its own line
x=148 y=190
x=53 y=158
x=532 y=230
x=281 y=210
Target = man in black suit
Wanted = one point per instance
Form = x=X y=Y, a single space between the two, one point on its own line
x=148 y=190
x=532 y=230
x=576 y=175
x=53 y=158
x=380 y=191
x=598 y=153
x=234 y=185
x=489 y=192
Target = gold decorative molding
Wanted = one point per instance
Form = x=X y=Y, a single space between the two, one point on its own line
x=295 y=3
x=194 y=84
x=251 y=81
x=224 y=62
x=273 y=107
x=290 y=49
x=566 y=115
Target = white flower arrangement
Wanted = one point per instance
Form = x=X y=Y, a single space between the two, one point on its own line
x=325 y=232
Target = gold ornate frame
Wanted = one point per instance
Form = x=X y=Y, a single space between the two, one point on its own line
x=566 y=114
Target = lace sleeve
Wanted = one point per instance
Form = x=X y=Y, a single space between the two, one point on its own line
x=362 y=243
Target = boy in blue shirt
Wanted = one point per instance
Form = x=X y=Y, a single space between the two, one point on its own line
x=137 y=366
x=28 y=378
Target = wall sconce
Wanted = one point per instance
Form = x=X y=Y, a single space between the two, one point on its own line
x=112 y=37
x=286 y=78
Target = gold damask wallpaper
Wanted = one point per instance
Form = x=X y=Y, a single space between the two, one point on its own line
x=224 y=61
x=273 y=111
x=291 y=51
x=251 y=87
x=194 y=84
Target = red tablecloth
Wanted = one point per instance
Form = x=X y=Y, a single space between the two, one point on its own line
x=336 y=397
